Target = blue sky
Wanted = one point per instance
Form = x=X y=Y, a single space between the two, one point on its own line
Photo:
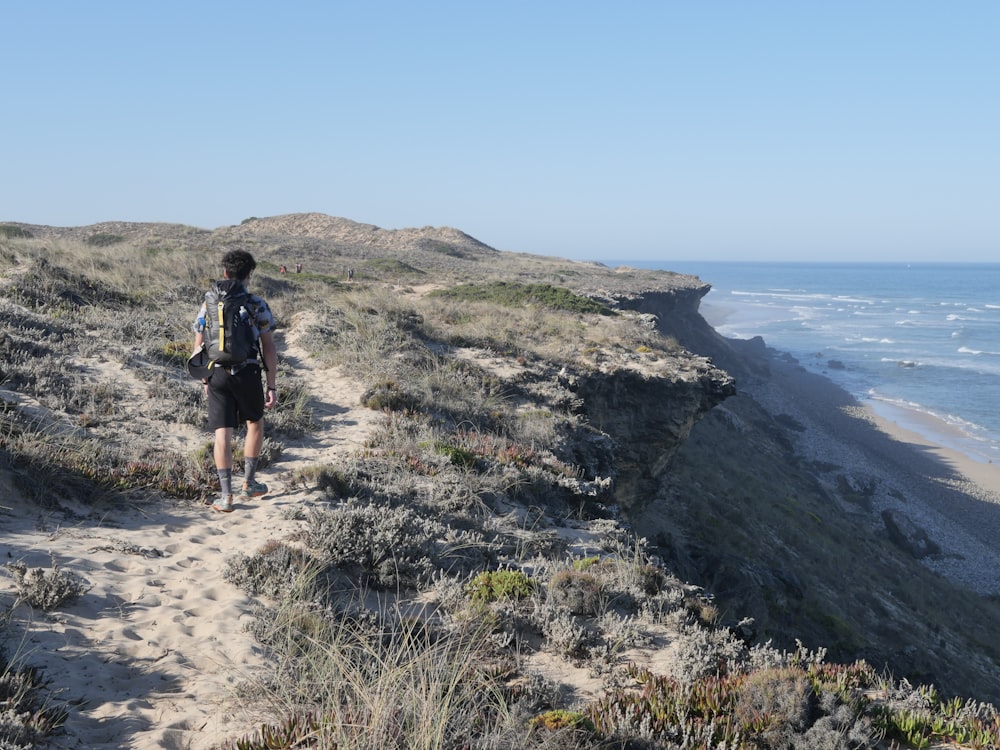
x=847 y=130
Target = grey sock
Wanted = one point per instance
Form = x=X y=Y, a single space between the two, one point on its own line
x=225 y=481
x=251 y=471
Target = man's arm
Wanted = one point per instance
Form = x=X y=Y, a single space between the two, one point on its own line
x=199 y=327
x=199 y=333
x=270 y=355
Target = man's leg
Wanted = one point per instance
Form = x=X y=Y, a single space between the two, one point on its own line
x=255 y=439
x=223 y=455
x=223 y=452
x=251 y=453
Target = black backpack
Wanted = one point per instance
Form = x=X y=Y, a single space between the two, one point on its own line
x=230 y=332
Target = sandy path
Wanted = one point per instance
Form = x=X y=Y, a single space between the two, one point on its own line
x=150 y=656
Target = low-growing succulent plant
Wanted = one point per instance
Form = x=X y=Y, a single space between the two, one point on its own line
x=495 y=585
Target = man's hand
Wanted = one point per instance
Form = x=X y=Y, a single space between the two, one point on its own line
x=271 y=397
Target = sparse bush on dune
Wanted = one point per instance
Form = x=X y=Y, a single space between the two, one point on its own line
x=277 y=571
x=28 y=716
x=393 y=546
x=578 y=592
x=509 y=294
x=387 y=395
x=103 y=239
x=47 y=590
x=14 y=232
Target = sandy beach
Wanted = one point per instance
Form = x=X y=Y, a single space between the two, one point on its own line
x=954 y=497
x=913 y=427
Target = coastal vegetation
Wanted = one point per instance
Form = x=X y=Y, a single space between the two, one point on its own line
x=442 y=563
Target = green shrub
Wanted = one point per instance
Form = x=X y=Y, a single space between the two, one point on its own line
x=176 y=352
x=495 y=585
x=388 y=396
x=445 y=248
x=104 y=239
x=391 y=267
x=557 y=719
x=510 y=294
x=14 y=232
x=461 y=457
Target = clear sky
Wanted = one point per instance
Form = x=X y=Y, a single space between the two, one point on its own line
x=653 y=130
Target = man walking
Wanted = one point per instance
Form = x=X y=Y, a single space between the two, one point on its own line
x=234 y=389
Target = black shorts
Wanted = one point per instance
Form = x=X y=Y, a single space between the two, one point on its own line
x=233 y=399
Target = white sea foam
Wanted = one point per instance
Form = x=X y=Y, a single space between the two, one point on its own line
x=928 y=336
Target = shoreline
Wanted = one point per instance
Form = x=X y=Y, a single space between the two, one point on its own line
x=942 y=490
x=928 y=428
x=919 y=428
x=949 y=433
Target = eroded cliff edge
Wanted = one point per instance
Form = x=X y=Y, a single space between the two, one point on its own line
x=791 y=537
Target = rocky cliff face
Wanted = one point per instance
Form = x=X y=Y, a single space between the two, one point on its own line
x=649 y=419
x=709 y=469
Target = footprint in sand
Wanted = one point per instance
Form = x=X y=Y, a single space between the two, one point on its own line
x=199 y=612
x=211 y=531
x=210 y=594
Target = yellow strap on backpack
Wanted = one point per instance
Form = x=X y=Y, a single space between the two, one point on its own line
x=222 y=329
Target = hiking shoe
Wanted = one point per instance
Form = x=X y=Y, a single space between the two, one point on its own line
x=253 y=488
x=224 y=504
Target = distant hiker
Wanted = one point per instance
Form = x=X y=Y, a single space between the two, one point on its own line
x=283 y=269
x=350 y=274
x=235 y=326
x=298 y=268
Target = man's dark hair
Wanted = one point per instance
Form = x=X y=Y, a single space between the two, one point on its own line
x=238 y=264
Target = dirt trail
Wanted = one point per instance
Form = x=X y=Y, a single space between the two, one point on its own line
x=150 y=656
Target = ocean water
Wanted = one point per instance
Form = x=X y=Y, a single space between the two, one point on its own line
x=918 y=343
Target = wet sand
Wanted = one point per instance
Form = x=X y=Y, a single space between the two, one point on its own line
x=912 y=427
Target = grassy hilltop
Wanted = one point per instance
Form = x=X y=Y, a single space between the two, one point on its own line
x=568 y=528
